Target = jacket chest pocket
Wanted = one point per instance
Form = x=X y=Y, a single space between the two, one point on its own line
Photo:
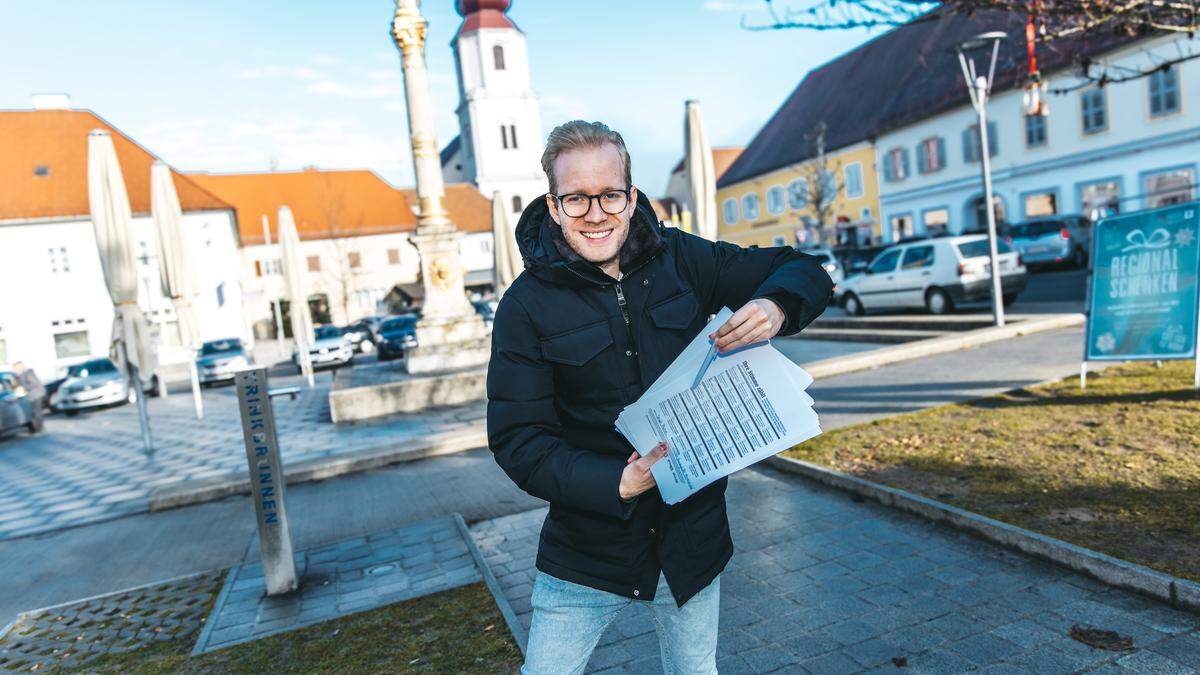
x=677 y=312
x=580 y=356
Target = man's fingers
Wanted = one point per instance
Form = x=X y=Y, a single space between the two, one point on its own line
x=739 y=317
x=750 y=328
x=632 y=458
x=649 y=459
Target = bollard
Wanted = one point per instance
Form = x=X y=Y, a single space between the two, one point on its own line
x=266 y=481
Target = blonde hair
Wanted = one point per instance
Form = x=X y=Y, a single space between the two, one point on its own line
x=579 y=134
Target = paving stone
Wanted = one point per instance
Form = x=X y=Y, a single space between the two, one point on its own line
x=1144 y=661
x=1183 y=648
x=985 y=649
x=767 y=659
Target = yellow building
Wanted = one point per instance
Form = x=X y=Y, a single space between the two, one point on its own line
x=775 y=208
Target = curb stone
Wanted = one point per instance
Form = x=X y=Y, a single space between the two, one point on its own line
x=238 y=483
x=1179 y=593
x=510 y=616
x=840 y=365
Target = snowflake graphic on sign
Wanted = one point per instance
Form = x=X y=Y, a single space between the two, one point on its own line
x=1106 y=342
x=1185 y=237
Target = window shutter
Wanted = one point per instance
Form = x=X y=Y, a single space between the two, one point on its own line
x=941 y=152
x=993 y=140
x=888 y=174
x=922 y=158
x=904 y=162
x=968 y=145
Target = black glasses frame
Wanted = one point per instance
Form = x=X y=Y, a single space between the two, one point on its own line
x=626 y=191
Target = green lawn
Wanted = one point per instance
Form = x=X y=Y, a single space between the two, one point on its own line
x=1114 y=468
x=456 y=631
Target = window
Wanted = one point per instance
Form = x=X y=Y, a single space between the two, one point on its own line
x=729 y=209
x=970 y=141
x=797 y=193
x=1098 y=200
x=512 y=134
x=902 y=226
x=936 y=220
x=41 y=170
x=980 y=248
x=1094 y=107
x=266 y=266
x=355 y=259
x=1041 y=204
x=314 y=263
x=393 y=256
x=917 y=257
x=1035 y=131
x=516 y=203
x=71 y=344
x=750 y=206
x=931 y=155
x=865 y=214
x=508 y=136
x=498 y=57
x=59 y=263
x=886 y=262
x=779 y=241
x=775 y=199
x=895 y=165
x=852 y=177
x=221 y=294
x=1169 y=187
x=1164 y=92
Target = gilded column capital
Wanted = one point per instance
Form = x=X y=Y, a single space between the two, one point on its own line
x=408 y=26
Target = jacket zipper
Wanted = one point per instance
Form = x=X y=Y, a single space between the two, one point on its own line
x=624 y=312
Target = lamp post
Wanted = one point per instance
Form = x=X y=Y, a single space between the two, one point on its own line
x=979 y=87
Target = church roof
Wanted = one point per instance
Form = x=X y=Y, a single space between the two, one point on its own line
x=43 y=167
x=448 y=152
x=479 y=14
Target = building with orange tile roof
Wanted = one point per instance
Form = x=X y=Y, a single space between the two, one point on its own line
x=55 y=310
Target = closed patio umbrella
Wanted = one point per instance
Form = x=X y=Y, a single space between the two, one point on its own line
x=296 y=289
x=507 y=263
x=701 y=177
x=111 y=218
x=174 y=266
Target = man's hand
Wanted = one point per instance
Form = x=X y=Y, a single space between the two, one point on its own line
x=757 y=320
x=637 y=477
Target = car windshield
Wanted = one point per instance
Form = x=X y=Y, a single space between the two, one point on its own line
x=402 y=323
x=1038 y=229
x=220 y=346
x=94 y=367
x=979 y=248
x=324 y=332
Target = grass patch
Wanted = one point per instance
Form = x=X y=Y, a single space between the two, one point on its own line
x=1114 y=468
x=455 y=631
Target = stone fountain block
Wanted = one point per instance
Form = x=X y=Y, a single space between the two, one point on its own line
x=386 y=389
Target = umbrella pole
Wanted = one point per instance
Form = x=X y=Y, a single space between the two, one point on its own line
x=308 y=367
x=140 y=397
x=196 y=399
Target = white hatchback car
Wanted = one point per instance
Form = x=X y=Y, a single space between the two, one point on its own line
x=935 y=274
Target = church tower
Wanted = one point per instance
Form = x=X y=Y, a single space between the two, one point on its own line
x=500 y=141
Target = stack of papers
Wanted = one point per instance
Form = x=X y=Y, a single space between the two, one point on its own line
x=750 y=405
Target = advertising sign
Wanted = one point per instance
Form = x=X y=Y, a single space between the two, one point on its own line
x=1143 y=286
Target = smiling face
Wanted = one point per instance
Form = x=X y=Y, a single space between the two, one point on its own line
x=596 y=236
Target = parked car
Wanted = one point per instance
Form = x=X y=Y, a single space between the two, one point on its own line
x=19 y=406
x=936 y=274
x=94 y=383
x=487 y=310
x=330 y=347
x=364 y=333
x=396 y=335
x=219 y=360
x=830 y=263
x=1053 y=240
x=856 y=260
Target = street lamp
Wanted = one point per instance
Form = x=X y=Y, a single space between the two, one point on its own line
x=979 y=88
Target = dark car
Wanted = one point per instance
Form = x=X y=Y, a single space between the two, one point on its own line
x=364 y=333
x=856 y=260
x=396 y=335
x=487 y=310
x=19 y=406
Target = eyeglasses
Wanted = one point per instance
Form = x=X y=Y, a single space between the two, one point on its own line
x=577 y=204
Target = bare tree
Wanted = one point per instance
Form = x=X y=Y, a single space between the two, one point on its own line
x=340 y=278
x=821 y=175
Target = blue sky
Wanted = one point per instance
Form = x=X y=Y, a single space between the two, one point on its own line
x=226 y=85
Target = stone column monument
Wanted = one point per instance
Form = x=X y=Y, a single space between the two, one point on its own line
x=450 y=334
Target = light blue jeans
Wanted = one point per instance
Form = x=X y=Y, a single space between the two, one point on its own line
x=569 y=618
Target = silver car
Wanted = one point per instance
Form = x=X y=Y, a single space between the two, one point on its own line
x=331 y=347
x=219 y=360
x=1053 y=240
x=18 y=407
x=92 y=384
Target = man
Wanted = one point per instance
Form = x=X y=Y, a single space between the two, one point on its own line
x=608 y=299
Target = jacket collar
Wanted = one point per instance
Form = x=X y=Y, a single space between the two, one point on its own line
x=548 y=256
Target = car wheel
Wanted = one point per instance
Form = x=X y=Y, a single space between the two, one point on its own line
x=1079 y=259
x=1010 y=299
x=938 y=301
x=71 y=413
x=35 y=424
x=853 y=305
x=153 y=390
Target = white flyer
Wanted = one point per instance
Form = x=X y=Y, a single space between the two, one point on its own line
x=750 y=405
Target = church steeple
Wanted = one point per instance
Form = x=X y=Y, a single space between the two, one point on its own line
x=500 y=142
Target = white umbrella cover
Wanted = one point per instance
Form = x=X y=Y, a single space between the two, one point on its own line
x=702 y=178
x=507 y=265
x=295 y=287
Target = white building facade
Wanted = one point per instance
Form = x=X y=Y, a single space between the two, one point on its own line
x=500 y=143
x=1123 y=147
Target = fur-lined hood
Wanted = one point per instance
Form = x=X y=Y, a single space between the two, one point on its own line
x=548 y=256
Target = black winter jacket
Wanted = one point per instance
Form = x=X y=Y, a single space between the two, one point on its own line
x=571 y=347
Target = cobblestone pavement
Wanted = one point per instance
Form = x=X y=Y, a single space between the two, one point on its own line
x=343 y=578
x=91 y=467
x=73 y=634
x=822 y=583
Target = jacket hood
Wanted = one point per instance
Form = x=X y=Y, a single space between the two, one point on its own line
x=548 y=256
